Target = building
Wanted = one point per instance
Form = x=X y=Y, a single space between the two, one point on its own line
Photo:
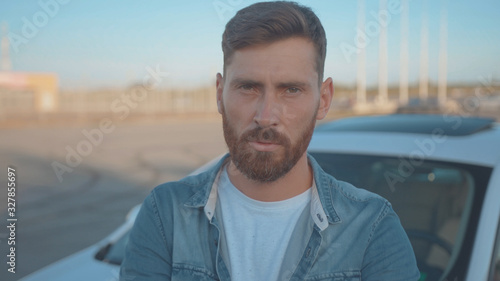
x=24 y=93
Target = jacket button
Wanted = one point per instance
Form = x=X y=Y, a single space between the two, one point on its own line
x=319 y=217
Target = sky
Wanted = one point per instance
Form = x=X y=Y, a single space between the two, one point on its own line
x=93 y=44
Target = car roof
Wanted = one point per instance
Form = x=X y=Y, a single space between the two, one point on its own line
x=450 y=125
x=469 y=140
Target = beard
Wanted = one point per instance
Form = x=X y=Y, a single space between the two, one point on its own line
x=265 y=166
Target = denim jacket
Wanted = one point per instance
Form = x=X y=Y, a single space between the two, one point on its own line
x=345 y=233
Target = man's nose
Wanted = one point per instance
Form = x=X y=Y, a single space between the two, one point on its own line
x=267 y=111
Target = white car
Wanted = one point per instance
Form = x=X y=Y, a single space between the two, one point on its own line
x=441 y=174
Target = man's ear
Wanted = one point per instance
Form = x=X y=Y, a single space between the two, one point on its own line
x=326 y=94
x=220 y=88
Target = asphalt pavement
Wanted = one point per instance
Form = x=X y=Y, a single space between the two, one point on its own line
x=75 y=185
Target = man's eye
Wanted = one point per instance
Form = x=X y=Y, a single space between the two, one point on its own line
x=293 y=90
x=246 y=87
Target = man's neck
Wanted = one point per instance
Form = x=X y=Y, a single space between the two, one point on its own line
x=295 y=182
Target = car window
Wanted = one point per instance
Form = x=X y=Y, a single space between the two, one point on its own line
x=495 y=263
x=435 y=202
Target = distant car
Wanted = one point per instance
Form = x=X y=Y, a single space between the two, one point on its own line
x=441 y=174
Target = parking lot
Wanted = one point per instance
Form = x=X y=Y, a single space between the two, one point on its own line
x=100 y=183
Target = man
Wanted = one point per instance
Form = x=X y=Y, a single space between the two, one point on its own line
x=267 y=211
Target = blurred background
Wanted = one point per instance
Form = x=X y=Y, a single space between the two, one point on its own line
x=100 y=101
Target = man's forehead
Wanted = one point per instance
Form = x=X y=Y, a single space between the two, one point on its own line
x=292 y=59
x=293 y=46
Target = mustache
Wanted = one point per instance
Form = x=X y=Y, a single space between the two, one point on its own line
x=269 y=135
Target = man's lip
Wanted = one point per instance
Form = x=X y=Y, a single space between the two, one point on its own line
x=265 y=142
x=264 y=146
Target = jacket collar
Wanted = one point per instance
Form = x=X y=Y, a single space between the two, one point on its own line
x=324 y=186
x=322 y=210
x=208 y=179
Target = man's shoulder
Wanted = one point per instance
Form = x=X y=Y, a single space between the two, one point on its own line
x=347 y=199
x=184 y=187
x=344 y=191
x=357 y=207
x=355 y=193
x=200 y=182
x=367 y=201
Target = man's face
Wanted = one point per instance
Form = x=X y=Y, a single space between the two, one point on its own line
x=270 y=100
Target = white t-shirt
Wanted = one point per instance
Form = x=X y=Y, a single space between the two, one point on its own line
x=257 y=233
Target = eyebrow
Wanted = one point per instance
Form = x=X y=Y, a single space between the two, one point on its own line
x=244 y=81
x=293 y=84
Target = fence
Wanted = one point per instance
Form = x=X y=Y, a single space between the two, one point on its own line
x=15 y=104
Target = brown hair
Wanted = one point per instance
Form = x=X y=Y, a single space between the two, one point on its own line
x=267 y=22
